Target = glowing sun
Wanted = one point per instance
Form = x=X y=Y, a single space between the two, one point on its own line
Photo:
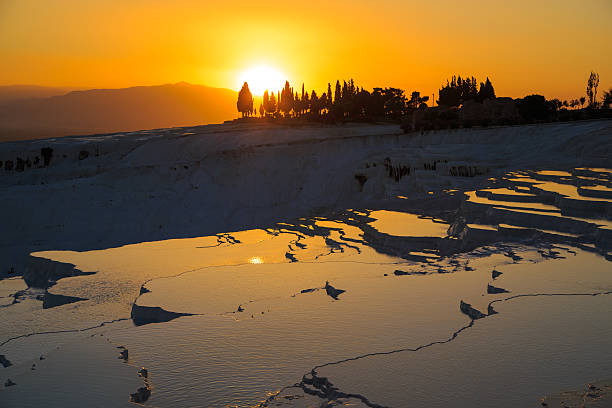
x=256 y=260
x=261 y=78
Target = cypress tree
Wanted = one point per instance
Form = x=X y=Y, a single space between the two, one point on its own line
x=245 y=100
x=306 y=103
x=338 y=93
x=266 y=102
x=286 y=101
x=272 y=103
x=490 y=89
x=314 y=103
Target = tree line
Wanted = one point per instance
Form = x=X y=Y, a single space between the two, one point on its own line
x=346 y=101
x=591 y=97
x=458 y=91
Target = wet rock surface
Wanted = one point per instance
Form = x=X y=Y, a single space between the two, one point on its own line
x=594 y=395
x=493 y=214
x=398 y=272
x=332 y=291
x=52 y=300
x=141 y=395
x=473 y=313
x=310 y=290
x=5 y=361
x=492 y=290
x=143 y=372
x=44 y=273
x=145 y=315
x=124 y=353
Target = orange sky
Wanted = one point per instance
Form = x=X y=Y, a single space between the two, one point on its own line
x=524 y=46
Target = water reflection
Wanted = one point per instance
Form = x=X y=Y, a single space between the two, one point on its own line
x=264 y=327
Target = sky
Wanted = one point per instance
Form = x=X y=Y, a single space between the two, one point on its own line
x=523 y=46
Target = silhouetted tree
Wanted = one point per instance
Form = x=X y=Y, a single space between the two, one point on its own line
x=450 y=95
x=297 y=104
x=337 y=93
x=361 y=101
x=286 y=101
x=315 y=106
x=323 y=102
x=261 y=110
x=269 y=102
x=265 y=100
x=375 y=105
x=486 y=91
x=574 y=103
x=469 y=89
x=459 y=90
x=423 y=103
x=582 y=101
x=306 y=102
x=303 y=104
x=591 y=90
x=607 y=98
x=245 y=100
x=555 y=104
x=393 y=101
x=533 y=107
x=416 y=100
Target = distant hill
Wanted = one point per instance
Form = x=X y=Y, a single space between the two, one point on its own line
x=114 y=110
x=12 y=93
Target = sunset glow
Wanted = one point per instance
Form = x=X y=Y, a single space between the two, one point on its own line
x=262 y=78
x=256 y=260
x=545 y=47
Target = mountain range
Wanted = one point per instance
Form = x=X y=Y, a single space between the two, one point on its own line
x=33 y=112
